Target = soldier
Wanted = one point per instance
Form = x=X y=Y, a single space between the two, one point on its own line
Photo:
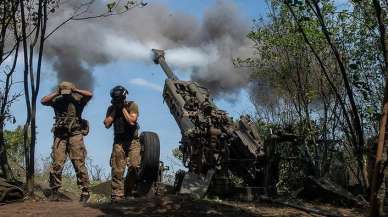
x=69 y=129
x=126 y=145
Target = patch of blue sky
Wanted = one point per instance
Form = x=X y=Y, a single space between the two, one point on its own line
x=250 y=8
x=144 y=82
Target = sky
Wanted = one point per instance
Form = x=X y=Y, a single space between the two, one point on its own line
x=145 y=83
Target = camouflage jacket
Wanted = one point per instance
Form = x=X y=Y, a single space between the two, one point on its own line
x=68 y=111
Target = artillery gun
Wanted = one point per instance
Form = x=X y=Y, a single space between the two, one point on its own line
x=211 y=140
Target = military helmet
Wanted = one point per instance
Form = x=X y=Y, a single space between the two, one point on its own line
x=118 y=93
x=66 y=87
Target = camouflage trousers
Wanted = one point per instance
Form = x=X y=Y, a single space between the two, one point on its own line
x=124 y=154
x=74 y=147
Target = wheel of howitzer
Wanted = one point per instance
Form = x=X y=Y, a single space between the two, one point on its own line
x=149 y=170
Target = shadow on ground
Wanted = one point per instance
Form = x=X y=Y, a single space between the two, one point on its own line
x=167 y=205
x=171 y=206
x=186 y=206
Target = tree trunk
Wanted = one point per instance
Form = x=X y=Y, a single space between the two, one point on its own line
x=32 y=142
x=378 y=172
x=29 y=171
x=33 y=82
x=377 y=177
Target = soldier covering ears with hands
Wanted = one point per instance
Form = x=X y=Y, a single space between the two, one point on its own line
x=69 y=129
x=123 y=115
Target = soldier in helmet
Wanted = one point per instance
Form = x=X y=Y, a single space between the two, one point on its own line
x=126 y=146
x=69 y=129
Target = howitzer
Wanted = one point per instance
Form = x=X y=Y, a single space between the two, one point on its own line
x=211 y=140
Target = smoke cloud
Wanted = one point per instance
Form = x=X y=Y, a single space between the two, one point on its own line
x=206 y=47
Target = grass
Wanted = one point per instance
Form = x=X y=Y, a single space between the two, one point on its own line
x=70 y=188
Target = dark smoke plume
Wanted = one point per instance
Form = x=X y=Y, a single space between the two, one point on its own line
x=206 y=48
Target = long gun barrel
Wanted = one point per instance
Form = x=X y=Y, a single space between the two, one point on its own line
x=159 y=59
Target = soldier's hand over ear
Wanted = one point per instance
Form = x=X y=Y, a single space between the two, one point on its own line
x=110 y=116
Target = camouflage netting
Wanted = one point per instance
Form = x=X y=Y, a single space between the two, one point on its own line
x=290 y=168
x=298 y=156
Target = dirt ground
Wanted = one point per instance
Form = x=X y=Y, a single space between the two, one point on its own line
x=166 y=206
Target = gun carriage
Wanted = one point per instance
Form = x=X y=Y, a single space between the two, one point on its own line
x=211 y=140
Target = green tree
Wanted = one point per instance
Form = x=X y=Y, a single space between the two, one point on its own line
x=318 y=64
x=9 y=46
x=15 y=151
x=177 y=153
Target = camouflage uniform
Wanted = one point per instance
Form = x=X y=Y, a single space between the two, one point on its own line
x=125 y=152
x=69 y=130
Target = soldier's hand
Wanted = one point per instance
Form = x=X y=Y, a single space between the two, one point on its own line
x=123 y=110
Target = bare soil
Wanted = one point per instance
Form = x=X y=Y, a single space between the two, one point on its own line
x=166 y=206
